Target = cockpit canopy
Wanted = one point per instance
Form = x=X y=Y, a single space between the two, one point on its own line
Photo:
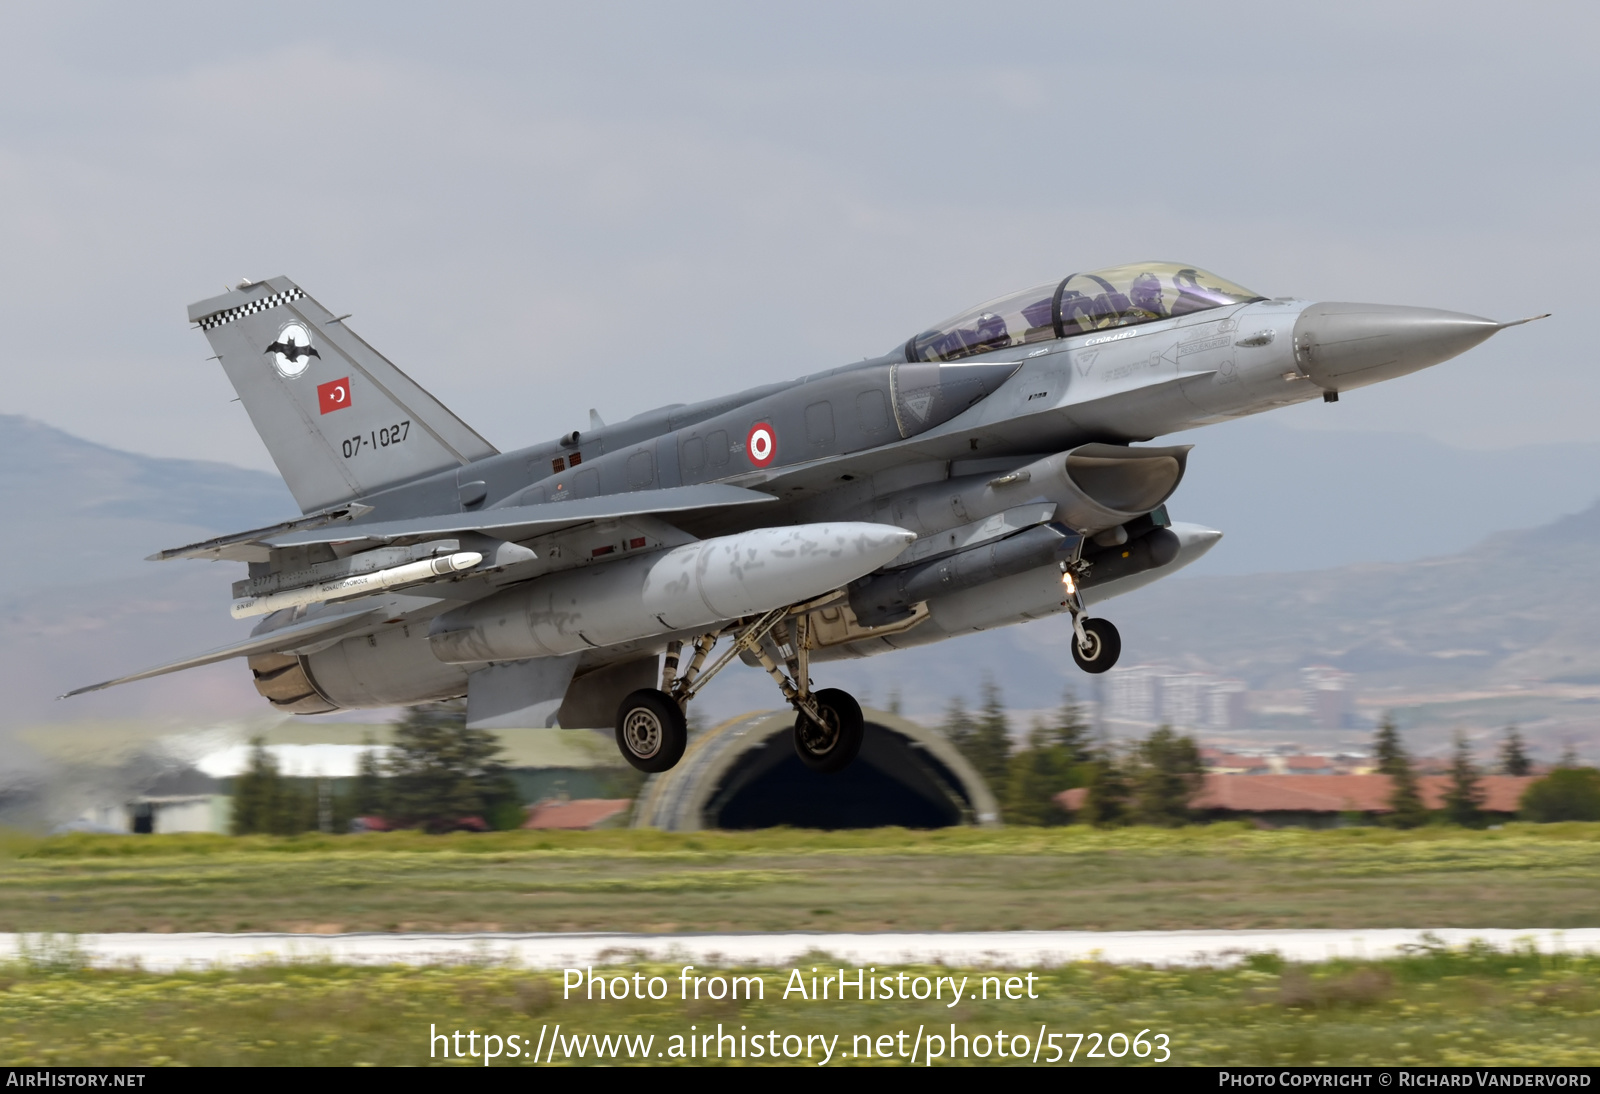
x=1119 y=296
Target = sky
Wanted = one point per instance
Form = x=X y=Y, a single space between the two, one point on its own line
x=538 y=209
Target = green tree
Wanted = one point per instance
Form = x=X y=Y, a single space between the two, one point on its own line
x=1057 y=758
x=1569 y=756
x=1566 y=794
x=256 y=792
x=1035 y=775
x=1166 y=775
x=1463 y=802
x=1513 y=757
x=1405 y=800
x=441 y=772
x=266 y=802
x=990 y=746
x=894 y=701
x=369 y=794
x=1107 y=803
x=1072 y=732
x=958 y=725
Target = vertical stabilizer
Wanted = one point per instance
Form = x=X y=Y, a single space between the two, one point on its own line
x=339 y=419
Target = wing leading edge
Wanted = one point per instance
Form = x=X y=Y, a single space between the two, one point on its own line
x=278 y=641
x=510 y=523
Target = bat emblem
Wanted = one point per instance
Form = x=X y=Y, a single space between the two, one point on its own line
x=293 y=350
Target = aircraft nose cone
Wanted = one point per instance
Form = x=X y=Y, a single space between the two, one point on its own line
x=1344 y=346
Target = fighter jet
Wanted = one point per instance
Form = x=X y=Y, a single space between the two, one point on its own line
x=993 y=469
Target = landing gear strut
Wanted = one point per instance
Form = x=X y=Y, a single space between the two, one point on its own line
x=652 y=729
x=1096 y=645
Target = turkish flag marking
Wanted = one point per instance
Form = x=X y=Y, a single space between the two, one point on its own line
x=333 y=395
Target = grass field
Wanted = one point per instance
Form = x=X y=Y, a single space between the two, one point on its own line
x=1219 y=876
x=1434 y=1007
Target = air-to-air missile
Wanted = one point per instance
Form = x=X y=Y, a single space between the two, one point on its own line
x=359 y=584
x=990 y=470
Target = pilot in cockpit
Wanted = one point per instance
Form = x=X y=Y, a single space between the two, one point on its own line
x=1145 y=295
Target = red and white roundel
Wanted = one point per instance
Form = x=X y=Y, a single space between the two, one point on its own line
x=761 y=444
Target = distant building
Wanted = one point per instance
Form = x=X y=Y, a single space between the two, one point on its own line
x=1329 y=695
x=1133 y=693
x=1323 y=801
x=1229 y=763
x=149 y=814
x=1185 y=699
x=578 y=813
x=1225 y=706
x=1152 y=694
x=1308 y=765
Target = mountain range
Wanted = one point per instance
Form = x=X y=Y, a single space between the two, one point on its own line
x=1390 y=557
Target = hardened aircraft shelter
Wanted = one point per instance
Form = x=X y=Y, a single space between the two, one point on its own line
x=745 y=773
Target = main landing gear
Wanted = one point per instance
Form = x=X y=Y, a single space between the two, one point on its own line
x=1096 y=645
x=652 y=730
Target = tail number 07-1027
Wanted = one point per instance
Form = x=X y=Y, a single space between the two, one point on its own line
x=377 y=438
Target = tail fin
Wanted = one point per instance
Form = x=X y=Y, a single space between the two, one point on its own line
x=338 y=418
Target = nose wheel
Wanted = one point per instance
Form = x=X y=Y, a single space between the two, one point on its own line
x=1096 y=645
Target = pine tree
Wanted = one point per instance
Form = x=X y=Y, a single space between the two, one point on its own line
x=266 y=802
x=1030 y=781
x=894 y=701
x=1463 y=802
x=1513 y=758
x=1405 y=800
x=1568 y=760
x=1167 y=774
x=1107 y=803
x=368 y=798
x=1072 y=732
x=1387 y=749
x=1037 y=774
x=257 y=792
x=989 y=748
x=958 y=726
x=442 y=772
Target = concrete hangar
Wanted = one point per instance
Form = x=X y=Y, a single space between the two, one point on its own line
x=744 y=773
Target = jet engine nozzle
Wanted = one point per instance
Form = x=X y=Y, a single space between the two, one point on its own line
x=1344 y=346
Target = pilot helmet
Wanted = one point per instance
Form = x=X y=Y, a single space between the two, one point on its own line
x=1145 y=293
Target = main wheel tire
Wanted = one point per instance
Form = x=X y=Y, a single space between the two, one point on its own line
x=1105 y=646
x=651 y=730
x=831 y=746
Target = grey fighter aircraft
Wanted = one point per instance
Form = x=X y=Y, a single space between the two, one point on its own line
x=990 y=470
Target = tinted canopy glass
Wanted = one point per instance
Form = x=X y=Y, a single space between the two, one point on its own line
x=1119 y=296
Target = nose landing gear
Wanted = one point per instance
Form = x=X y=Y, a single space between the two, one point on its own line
x=828 y=730
x=1096 y=645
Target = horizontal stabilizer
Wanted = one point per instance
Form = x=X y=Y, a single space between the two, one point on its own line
x=250 y=546
x=523 y=521
x=278 y=641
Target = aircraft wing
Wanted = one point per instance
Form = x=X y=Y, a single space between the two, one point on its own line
x=510 y=523
x=278 y=641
